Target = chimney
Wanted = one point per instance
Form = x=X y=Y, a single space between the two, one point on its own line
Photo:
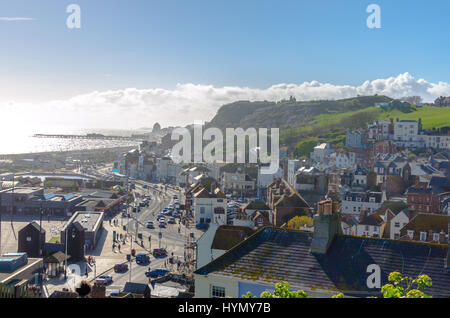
x=396 y=119
x=326 y=226
x=98 y=291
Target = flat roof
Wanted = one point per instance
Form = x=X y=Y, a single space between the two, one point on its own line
x=22 y=190
x=87 y=219
x=5 y=277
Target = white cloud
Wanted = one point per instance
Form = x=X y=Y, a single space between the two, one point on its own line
x=15 y=19
x=186 y=103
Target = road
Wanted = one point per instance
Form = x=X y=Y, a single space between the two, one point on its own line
x=173 y=241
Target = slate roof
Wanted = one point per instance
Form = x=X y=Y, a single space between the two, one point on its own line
x=135 y=288
x=372 y=219
x=228 y=236
x=272 y=255
x=256 y=205
x=35 y=226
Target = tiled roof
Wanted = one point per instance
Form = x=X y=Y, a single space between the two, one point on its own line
x=426 y=222
x=272 y=255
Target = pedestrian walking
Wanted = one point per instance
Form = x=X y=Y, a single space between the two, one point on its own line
x=118 y=246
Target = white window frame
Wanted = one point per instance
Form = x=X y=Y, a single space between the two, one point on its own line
x=217 y=291
x=423 y=236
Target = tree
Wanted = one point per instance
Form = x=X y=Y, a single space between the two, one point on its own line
x=406 y=287
x=401 y=287
x=281 y=291
x=297 y=222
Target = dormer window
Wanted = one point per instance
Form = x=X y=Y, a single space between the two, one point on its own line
x=436 y=237
x=423 y=236
x=411 y=234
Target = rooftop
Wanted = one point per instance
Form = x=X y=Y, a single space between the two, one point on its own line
x=272 y=255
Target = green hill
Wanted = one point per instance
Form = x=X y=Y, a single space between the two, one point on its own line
x=303 y=124
x=284 y=114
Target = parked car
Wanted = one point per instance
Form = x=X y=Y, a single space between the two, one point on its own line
x=171 y=220
x=157 y=272
x=160 y=216
x=202 y=226
x=175 y=214
x=162 y=223
x=120 y=268
x=114 y=293
x=104 y=279
x=150 y=225
x=144 y=186
x=142 y=259
x=159 y=252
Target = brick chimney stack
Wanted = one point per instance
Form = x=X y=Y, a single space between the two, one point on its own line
x=326 y=226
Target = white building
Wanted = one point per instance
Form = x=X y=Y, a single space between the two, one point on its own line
x=321 y=151
x=354 y=202
x=406 y=133
x=397 y=223
x=292 y=168
x=209 y=207
x=166 y=169
x=345 y=160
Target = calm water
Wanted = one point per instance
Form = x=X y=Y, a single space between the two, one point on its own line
x=19 y=141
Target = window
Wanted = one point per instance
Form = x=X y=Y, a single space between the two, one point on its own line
x=218 y=292
x=367 y=227
x=397 y=224
x=202 y=210
x=423 y=236
x=411 y=234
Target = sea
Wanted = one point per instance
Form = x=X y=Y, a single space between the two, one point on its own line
x=21 y=141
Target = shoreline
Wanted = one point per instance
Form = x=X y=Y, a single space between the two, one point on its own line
x=68 y=152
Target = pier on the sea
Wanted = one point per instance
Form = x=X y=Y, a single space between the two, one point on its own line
x=88 y=136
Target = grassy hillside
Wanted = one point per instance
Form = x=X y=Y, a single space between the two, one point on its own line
x=285 y=114
x=304 y=124
x=331 y=128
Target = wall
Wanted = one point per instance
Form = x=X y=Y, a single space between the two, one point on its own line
x=203 y=286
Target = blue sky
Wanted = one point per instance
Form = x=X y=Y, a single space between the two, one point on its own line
x=147 y=44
